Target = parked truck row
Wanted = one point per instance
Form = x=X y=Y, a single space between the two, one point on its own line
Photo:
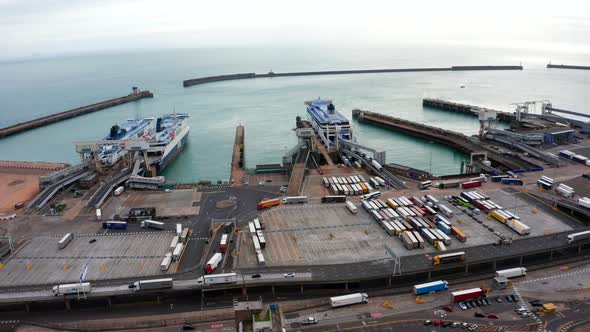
x=256 y=226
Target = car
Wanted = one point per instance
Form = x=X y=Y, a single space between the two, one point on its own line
x=309 y=321
x=187 y=327
x=465 y=325
x=438 y=322
x=509 y=299
x=167 y=190
x=488 y=302
x=446 y=324
x=537 y=304
x=92 y=241
x=499 y=299
x=448 y=309
x=479 y=314
x=289 y=275
x=463 y=306
x=468 y=305
x=473 y=327
x=455 y=324
x=473 y=305
x=492 y=316
x=515 y=298
x=256 y=276
x=427 y=322
x=478 y=302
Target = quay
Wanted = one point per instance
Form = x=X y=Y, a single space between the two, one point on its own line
x=230 y=77
x=568 y=67
x=136 y=94
x=465 y=108
x=237 y=161
x=453 y=139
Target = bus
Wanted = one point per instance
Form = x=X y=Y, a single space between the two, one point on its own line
x=114 y=225
x=578 y=236
x=334 y=199
x=424 y=185
x=448 y=258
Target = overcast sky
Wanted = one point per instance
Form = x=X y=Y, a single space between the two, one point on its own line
x=71 y=26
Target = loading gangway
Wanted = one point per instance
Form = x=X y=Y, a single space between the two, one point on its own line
x=546 y=157
x=391 y=179
x=105 y=189
x=52 y=178
x=50 y=191
x=298 y=173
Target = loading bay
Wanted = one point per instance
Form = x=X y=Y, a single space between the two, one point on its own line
x=113 y=256
x=316 y=234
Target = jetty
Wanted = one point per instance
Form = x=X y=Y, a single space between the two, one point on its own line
x=237 y=161
x=465 y=108
x=230 y=77
x=568 y=67
x=135 y=95
x=450 y=138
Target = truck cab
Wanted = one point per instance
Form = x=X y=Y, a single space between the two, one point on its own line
x=309 y=321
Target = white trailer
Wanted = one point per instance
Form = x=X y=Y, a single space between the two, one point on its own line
x=184 y=235
x=445 y=210
x=165 y=264
x=70 y=289
x=578 y=236
x=376 y=165
x=295 y=200
x=512 y=273
x=584 y=202
x=340 y=301
x=351 y=207
x=98 y=214
x=174 y=242
x=178 y=229
x=518 y=227
x=213 y=263
x=152 y=284
x=220 y=278
x=65 y=240
x=177 y=251
x=152 y=224
x=431 y=199
x=260 y=258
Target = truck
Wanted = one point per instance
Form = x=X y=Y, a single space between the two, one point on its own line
x=152 y=284
x=431 y=287
x=468 y=294
x=69 y=289
x=98 y=214
x=152 y=224
x=174 y=242
x=376 y=165
x=351 y=207
x=518 y=227
x=512 y=273
x=177 y=251
x=470 y=184
x=223 y=243
x=65 y=240
x=334 y=199
x=165 y=264
x=578 y=236
x=458 y=233
x=213 y=263
x=584 y=202
x=513 y=181
x=268 y=203
x=178 y=229
x=344 y=300
x=448 y=258
x=221 y=278
x=119 y=191
x=114 y=225
x=295 y=200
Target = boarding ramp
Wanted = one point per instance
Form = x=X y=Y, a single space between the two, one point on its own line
x=391 y=180
x=50 y=191
x=105 y=189
x=140 y=182
x=52 y=178
x=541 y=155
x=298 y=173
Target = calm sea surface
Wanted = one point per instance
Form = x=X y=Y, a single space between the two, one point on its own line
x=268 y=107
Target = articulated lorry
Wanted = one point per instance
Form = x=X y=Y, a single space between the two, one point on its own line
x=340 y=301
x=144 y=285
x=70 y=289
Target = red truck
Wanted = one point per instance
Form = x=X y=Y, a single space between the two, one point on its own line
x=470 y=184
x=268 y=203
x=468 y=294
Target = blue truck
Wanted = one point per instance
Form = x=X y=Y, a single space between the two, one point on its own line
x=114 y=225
x=443 y=227
x=431 y=287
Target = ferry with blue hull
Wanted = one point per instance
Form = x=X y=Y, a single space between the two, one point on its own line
x=109 y=154
x=328 y=123
x=169 y=139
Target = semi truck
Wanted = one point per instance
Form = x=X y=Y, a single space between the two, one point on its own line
x=213 y=263
x=153 y=284
x=268 y=203
x=578 y=236
x=221 y=278
x=98 y=214
x=351 y=207
x=513 y=181
x=152 y=224
x=512 y=273
x=65 y=240
x=350 y=299
x=165 y=264
x=334 y=199
x=295 y=200
x=470 y=184
x=177 y=251
x=468 y=294
x=223 y=243
x=431 y=287
x=69 y=289
x=448 y=258
x=114 y=225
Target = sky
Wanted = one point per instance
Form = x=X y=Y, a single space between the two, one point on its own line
x=33 y=27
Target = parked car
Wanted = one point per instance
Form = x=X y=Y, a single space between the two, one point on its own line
x=289 y=275
x=499 y=299
x=310 y=321
x=438 y=322
x=448 y=309
x=455 y=324
x=255 y=276
x=427 y=322
x=446 y=324
x=463 y=306
x=479 y=314
x=473 y=327
x=492 y=316
x=509 y=299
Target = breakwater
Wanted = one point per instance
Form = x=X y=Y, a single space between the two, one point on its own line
x=210 y=79
x=43 y=121
x=465 y=108
x=450 y=138
x=568 y=67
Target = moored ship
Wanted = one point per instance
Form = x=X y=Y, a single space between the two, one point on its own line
x=168 y=140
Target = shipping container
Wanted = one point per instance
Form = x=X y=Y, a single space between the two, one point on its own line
x=221 y=278
x=165 y=264
x=431 y=199
x=431 y=287
x=257 y=224
x=374 y=205
x=326 y=182
x=518 y=227
x=364 y=188
x=361 y=178
x=252 y=227
x=340 y=301
x=392 y=203
x=428 y=235
x=445 y=210
x=374 y=182
x=496 y=215
x=376 y=165
x=65 y=240
x=174 y=242
x=351 y=207
x=388 y=227
x=444 y=227
x=256 y=243
x=367 y=206
x=440 y=245
x=407 y=240
x=442 y=236
x=376 y=215
x=418 y=238
x=368 y=185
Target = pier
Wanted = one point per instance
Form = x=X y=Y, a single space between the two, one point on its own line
x=231 y=77
x=464 y=108
x=136 y=94
x=237 y=161
x=452 y=139
x=568 y=67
